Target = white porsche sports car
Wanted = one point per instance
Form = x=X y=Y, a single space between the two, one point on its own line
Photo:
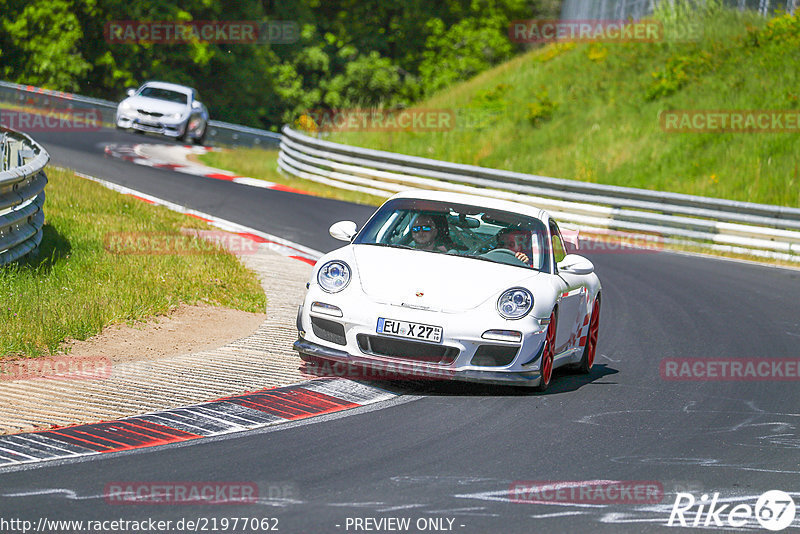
x=164 y=108
x=455 y=287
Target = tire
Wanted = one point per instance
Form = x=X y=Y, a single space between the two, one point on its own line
x=587 y=360
x=548 y=354
x=201 y=141
x=185 y=137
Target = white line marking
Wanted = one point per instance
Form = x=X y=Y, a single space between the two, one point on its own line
x=559 y=514
x=277 y=244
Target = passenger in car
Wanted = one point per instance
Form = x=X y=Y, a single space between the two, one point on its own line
x=517 y=241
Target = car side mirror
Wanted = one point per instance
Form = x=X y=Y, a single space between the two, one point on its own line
x=575 y=264
x=130 y=92
x=196 y=104
x=343 y=230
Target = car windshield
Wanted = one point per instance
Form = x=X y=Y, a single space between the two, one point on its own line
x=165 y=94
x=458 y=229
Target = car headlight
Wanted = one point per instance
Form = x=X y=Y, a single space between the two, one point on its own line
x=175 y=116
x=125 y=106
x=515 y=303
x=334 y=276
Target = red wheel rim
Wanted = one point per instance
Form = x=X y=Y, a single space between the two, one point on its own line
x=549 y=351
x=594 y=327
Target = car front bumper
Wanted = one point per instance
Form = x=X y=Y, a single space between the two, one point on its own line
x=368 y=367
x=169 y=129
x=463 y=344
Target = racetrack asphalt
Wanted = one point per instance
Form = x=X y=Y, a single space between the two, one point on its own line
x=452 y=451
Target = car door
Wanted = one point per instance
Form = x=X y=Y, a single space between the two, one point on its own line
x=572 y=307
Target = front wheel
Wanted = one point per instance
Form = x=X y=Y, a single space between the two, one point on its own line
x=548 y=354
x=201 y=139
x=585 y=365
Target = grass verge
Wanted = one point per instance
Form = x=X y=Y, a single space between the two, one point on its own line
x=76 y=285
x=590 y=112
x=263 y=164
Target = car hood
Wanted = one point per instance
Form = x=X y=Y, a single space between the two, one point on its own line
x=155 y=105
x=432 y=281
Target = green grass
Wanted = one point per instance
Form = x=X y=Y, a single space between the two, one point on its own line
x=590 y=112
x=75 y=286
x=263 y=164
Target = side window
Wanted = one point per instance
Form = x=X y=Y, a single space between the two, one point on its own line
x=559 y=251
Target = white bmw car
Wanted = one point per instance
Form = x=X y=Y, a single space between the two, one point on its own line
x=452 y=286
x=166 y=109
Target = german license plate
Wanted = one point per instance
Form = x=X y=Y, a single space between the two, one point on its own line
x=422 y=332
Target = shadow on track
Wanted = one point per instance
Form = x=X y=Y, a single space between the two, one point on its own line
x=564 y=381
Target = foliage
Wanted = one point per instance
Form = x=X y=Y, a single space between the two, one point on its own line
x=678 y=72
x=783 y=30
x=457 y=53
x=541 y=109
x=606 y=127
x=492 y=99
x=43 y=41
x=350 y=53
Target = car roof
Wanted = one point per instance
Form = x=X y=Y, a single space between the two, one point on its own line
x=475 y=200
x=170 y=86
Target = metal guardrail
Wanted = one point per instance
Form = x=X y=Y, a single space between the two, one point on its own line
x=22 y=182
x=5 y=152
x=745 y=227
x=219 y=133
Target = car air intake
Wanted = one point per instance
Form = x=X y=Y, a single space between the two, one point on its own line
x=494 y=355
x=328 y=330
x=407 y=350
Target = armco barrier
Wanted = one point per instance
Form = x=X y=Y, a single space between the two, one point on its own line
x=22 y=182
x=739 y=227
x=744 y=227
x=219 y=133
